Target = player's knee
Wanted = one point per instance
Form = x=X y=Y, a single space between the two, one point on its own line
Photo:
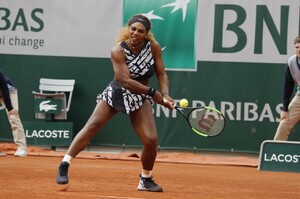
x=151 y=142
x=93 y=126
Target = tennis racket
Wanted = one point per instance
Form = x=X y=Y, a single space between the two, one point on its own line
x=205 y=121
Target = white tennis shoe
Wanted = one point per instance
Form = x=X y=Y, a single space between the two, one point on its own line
x=21 y=153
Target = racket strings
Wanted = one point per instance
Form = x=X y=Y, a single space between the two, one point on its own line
x=206 y=121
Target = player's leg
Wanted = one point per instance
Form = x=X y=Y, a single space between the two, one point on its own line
x=143 y=123
x=285 y=126
x=100 y=116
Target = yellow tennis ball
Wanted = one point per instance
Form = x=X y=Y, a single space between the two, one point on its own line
x=183 y=103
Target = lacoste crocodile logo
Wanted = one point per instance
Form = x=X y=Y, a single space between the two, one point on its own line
x=46 y=106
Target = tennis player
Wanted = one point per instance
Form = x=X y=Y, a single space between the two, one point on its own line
x=136 y=57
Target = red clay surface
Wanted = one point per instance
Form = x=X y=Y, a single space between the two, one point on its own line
x=107 y=176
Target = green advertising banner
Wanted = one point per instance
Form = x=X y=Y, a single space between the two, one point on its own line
x=279 y=156
x=174 y=27
x=48 y=133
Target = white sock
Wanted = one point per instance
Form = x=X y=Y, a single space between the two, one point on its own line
x=67 y=158
x=146 y=173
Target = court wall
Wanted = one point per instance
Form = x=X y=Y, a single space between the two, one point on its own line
x=237 y=60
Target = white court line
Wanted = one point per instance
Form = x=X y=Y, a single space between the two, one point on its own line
x=103 y=196
x=117 y=197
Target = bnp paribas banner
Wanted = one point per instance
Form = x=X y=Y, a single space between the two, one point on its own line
x=247 y=31
x=188 y=30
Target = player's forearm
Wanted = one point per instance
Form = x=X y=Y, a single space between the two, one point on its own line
x=163 y=82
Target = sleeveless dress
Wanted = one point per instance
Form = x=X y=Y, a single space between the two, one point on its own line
x=141 y=66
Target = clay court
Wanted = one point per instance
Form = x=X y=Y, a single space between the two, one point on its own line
x=183 y=175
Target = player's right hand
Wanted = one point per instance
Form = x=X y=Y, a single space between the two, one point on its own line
x=168 y=103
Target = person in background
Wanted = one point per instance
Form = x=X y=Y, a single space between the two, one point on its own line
x=290 y=114
x=136 y=57
x=9 y=96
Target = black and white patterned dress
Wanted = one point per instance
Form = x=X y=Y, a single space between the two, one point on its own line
x=140 y=66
